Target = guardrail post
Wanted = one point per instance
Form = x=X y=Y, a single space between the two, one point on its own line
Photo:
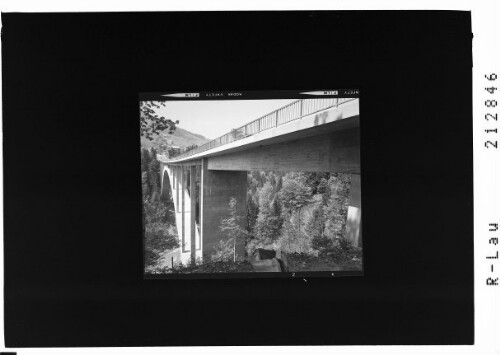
x=276 y=120
x=301 y=111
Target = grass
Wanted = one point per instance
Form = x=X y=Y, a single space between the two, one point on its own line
x=208 y=267
x=336 y=261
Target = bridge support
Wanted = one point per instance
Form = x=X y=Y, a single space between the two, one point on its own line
x=177 y=187
x=353 y=224
x=192 y=195
x=217 y=188
x=183 y=208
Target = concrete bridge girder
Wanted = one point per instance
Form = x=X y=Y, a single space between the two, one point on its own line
x=328 y=120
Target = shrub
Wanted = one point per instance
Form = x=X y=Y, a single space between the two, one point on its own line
x=344 y=244
x=159 y=237
x=322 y=244
x=210 y=266
x=224 y=251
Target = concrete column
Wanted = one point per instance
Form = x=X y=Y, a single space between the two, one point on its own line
x=162 y=177
x=217 y=188
x=176 y=173
x=183 y=210
x=353 y=224
x=192 y=194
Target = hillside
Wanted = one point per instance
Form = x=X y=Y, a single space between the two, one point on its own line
x=181 y=138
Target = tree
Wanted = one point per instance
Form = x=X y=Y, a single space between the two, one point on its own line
x=335 y=210
x=313 y=180
x=151 y=122
x=252 y=213
x=279 y=184
x=154 y=176
x=291 y=238
x=315 y=228
x=224 y=251
x=316 y=224
x=269 y=221
x=145 y=159
x=268 y=226
x=295 y=193
x=232 y=228
x=172 y=153
x=159 y=235
x=322 y=186
x=272 y=179
x=190 y=147
x=145 y=186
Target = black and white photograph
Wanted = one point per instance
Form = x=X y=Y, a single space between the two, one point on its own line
x=236 y=182
x=208 y=177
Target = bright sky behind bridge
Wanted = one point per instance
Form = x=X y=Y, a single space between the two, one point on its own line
x=213 y=119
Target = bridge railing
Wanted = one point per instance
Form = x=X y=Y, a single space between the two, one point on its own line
x=285 y=114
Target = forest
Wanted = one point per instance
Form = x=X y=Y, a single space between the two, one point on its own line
x=160 y=233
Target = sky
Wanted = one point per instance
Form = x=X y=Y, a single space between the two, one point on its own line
x=213 y=119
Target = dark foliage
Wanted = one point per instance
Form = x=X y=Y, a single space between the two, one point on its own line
x=151 y=123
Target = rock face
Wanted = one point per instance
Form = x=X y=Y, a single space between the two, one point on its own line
x=264 y=254
x=265 y=260
x=268 y=265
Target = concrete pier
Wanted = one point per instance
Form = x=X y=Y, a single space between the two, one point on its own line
x=185 y=252
x=353 y=224
x=217 y=189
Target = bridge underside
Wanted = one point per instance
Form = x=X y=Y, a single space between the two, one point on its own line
x=329 y=152
x=333 y=147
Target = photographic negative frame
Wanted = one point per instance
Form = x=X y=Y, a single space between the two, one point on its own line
x=278 y=196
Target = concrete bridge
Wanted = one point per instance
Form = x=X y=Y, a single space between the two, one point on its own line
x=310 y=135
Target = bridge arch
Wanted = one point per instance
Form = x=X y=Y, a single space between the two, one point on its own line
x=165 y=190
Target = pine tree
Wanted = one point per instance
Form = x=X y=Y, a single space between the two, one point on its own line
x=272 y=179
x=154 y=176
x=316 y=230
x=269 y=220
x=159 y=235
x=231 y=227
x=145 y=158
x=279 y=184
x=295 y=194
x=252 y=213
x=335 y=210
x=316 y=224
x=322 y=186
x=290 y=240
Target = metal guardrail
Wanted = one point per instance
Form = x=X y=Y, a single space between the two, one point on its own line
x=285 y=114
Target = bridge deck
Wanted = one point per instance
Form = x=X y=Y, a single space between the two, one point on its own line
x=275 y=132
